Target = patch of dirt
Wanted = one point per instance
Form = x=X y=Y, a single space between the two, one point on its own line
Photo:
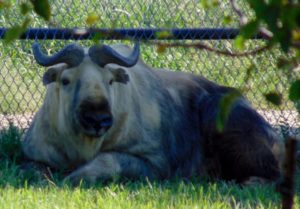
x=21 y=121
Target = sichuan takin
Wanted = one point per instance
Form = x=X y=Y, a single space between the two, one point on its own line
x=107 y=114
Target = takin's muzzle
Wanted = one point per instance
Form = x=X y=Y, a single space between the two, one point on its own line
x=94 y=117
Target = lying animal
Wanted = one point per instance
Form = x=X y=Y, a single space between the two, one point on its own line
x=107 y=114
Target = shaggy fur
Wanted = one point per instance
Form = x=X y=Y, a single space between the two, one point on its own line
x=163 y=125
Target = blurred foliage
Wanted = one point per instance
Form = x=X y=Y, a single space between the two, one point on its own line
x=274 y=98
x=281 y=18
x=92 y=19
x=278 y=21
x=226 y=103
x=39 y=7
x=295 y=91
x=42 y=8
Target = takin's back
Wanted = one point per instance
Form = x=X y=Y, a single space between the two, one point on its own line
x=248 y=145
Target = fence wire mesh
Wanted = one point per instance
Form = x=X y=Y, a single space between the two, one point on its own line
x=22 y=92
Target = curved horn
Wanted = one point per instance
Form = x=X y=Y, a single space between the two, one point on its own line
x=105 y=54
x=72 y=55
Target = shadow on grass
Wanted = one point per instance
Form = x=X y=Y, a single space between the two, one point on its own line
x=16 y=172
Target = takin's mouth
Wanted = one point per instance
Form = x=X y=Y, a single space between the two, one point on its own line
x=95 y=124
x=92 y=133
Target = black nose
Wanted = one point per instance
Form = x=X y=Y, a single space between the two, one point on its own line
x=95 y=115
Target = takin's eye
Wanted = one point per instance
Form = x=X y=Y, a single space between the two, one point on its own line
x=65 y=81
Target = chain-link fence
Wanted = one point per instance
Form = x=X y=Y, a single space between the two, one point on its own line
x=22 y=92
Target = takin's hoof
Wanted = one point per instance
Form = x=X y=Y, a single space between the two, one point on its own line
x=78 y=178
x=35 y=171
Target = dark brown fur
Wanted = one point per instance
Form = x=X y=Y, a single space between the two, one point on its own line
x=164 y=125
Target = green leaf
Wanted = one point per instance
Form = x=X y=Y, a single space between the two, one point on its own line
x=16 y=31
x=250 y=29
x=250 y=69
x=274 y=97
x=227 y=19
x=282 y=62
x=224 y=109
x=92 y=19
x=163 y=34
x=296 y=35
x=215 y=3
x=98 y=36
x=204 y=4
x=276 y=2
x=42 y=8
x=5 y=4
x=260 y=7
x=298 y=53
x=284 y=37
x=239 y=42
x=25 y=8
x=13 y=33
x=161 y=48
x=294 y=93
x=208 y=4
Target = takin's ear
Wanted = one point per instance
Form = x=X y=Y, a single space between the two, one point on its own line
x=120 y=75
x=53 y=73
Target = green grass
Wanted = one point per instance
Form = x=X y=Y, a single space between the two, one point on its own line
x=30 y=189
x=141 y=195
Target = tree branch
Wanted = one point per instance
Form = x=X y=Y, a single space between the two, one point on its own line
x=296 y=44
x=199 y=45
x=287 y=186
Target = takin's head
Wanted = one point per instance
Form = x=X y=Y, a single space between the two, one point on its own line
x=80 y=82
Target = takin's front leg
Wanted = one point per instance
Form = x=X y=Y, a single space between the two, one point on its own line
x=112 y=165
